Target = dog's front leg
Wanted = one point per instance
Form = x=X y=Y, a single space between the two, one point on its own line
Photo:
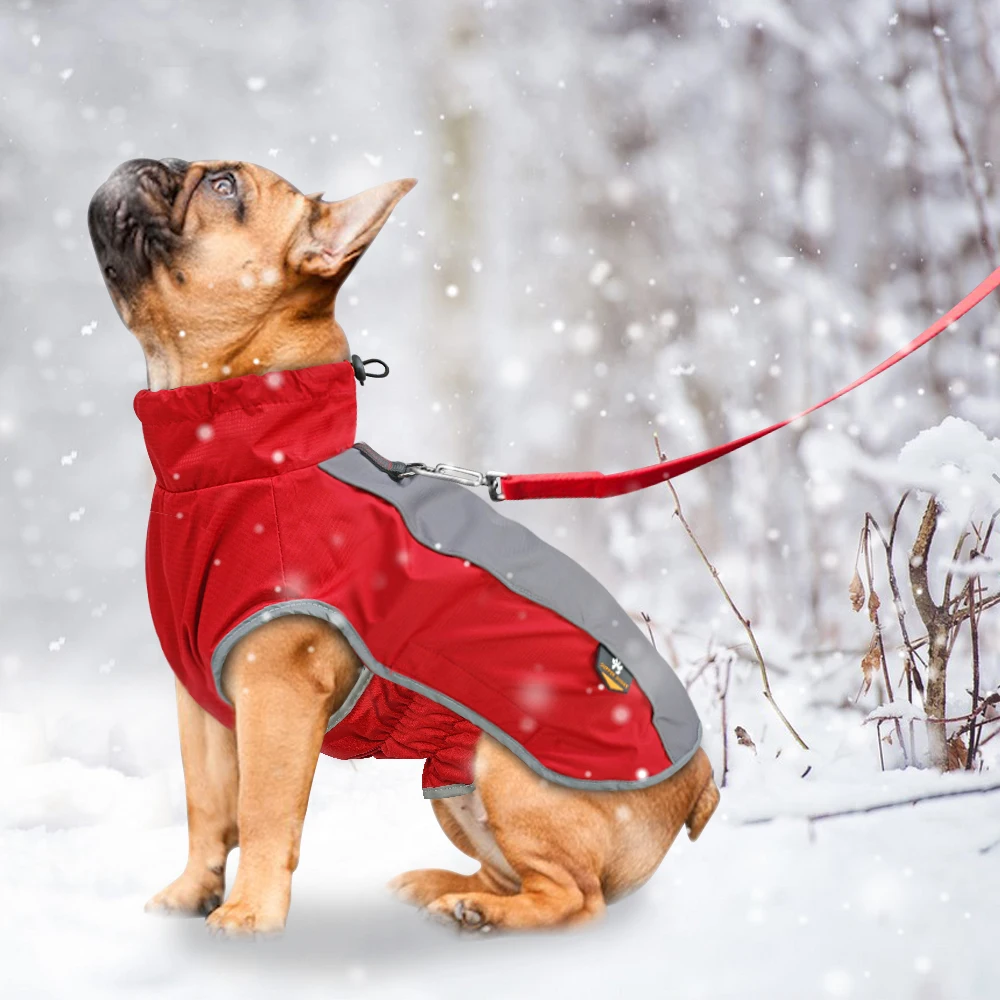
x=284 y=680
x=208 y=752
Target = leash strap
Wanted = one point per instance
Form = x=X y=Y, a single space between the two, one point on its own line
x=596 y=484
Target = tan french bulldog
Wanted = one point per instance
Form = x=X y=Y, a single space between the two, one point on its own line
x=249 y=267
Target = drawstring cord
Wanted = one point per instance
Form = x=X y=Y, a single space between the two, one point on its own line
x=359 y=368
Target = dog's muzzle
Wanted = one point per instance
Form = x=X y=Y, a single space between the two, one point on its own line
x=130 y=220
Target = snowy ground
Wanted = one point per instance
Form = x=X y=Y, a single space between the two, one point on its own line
x=895 y=904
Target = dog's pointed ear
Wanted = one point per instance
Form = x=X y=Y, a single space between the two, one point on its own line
x=335 y=234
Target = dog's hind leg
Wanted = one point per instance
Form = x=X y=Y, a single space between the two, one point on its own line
x=208 y=752
x=554 y=862
x=573 y=851
x=463 y=819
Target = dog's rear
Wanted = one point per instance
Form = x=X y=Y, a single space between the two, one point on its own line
x=704 y=806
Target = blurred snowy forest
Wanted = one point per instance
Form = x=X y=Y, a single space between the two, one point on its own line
x=688 y=216
x=693 y=217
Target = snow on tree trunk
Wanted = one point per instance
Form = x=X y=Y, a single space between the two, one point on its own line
x=935 y=620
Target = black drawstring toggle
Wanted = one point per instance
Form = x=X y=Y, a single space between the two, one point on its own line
x=359 y=368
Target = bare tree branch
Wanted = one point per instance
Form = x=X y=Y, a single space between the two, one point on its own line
x=745 y=622
x=878 y=807
x=972 y=176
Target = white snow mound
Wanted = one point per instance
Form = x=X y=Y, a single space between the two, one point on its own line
x=956 y=461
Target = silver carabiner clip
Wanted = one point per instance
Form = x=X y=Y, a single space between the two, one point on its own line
x=460 y=475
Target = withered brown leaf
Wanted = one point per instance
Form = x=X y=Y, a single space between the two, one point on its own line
x=857 y=591
x=743 y=738
x=873 y=605
x=870 y=665
x=958 y=754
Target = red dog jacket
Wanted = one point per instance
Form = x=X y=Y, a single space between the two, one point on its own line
x=465 y=622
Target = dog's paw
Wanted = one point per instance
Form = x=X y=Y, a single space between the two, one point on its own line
x=239 y=919
x=407 y=888
x=186 y=897
x=459 y=911
x=423 y=885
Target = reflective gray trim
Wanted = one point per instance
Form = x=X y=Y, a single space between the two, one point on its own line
x=246 y=626
x=452 y=520
x=352 y=698
x=332 y=615
x=448 y=791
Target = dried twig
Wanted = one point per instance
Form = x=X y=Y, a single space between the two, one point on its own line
x=996 y=732
x=722 y=690
x=745 y=622
x=973 y=179
x=959 y=616
x=649 y=627
x=873 y=609
x=897 y=598
x=973 y=587
x=878 y=807
x=988 y=702
x=989 y=847
x=910 y=663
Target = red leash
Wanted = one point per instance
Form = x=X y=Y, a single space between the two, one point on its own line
x=597 y=484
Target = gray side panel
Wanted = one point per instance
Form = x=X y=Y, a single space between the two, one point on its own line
x=451 y=519
x=448 y=791
x=328 y=613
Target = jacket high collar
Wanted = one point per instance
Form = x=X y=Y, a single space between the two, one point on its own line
x=250 y=427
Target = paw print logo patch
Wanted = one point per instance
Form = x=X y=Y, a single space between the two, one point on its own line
x=612 y=671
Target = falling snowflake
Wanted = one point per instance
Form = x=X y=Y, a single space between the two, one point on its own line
x=599 y=273
x=620 y=714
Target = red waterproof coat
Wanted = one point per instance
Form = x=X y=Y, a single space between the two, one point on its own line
x=465 y=621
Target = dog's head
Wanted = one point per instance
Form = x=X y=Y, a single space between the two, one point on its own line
x=216 y=249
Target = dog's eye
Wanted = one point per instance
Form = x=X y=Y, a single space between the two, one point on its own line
x=225 y=185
